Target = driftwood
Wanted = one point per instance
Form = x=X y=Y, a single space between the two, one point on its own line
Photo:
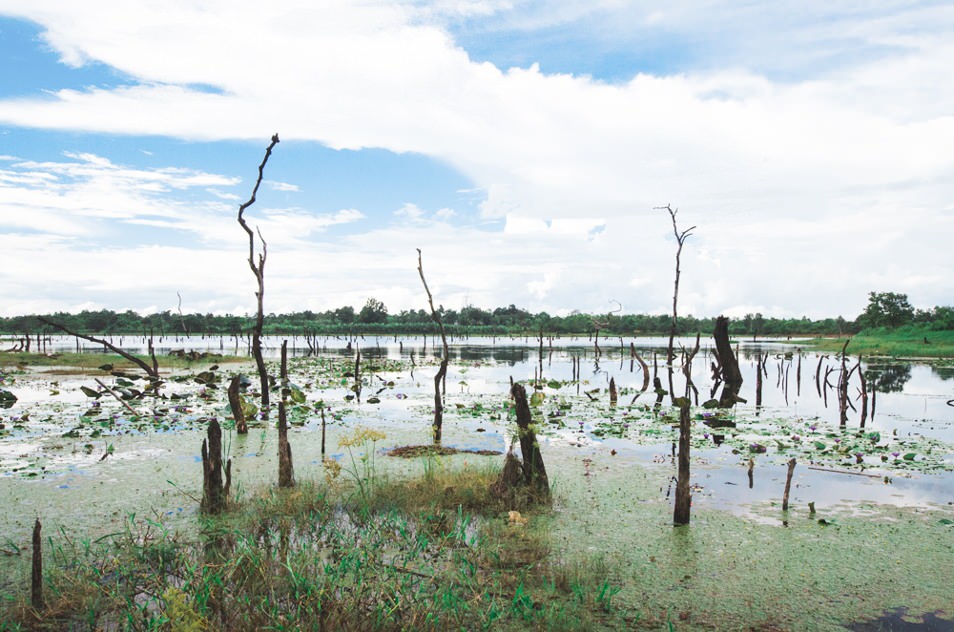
x=118 y=398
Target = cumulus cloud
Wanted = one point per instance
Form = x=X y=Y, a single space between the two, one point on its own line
x=803 y=158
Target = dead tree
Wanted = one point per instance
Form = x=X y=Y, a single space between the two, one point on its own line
x=151 y=371
x=257 y=264
x=442 y=371
x=731 y=375
x=214 y=492
x=680 y=240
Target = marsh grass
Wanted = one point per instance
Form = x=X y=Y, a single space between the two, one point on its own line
x=905 y=342
x=90 y=362
x=435 y=551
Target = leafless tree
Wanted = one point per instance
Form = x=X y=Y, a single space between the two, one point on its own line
x=442 y=371
x=256 y=261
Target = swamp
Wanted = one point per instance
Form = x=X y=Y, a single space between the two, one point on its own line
x=382 y=530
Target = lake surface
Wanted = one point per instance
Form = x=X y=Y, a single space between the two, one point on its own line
x=81 y=463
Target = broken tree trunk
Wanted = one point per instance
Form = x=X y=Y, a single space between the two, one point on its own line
x=235 y=403
x=731 y=375
x=788 y=484
x=680 y=514
x=214 y=493
x=286 y=472
x=533 y=479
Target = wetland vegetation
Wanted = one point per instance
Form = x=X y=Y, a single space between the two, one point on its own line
x=367 y=540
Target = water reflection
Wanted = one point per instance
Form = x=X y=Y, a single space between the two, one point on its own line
x=888 y=378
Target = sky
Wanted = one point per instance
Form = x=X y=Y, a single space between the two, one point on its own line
x=524 y=146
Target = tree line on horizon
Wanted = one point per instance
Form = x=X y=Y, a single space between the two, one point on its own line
x=885 y=310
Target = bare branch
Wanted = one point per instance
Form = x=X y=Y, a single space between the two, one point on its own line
x=152 y=371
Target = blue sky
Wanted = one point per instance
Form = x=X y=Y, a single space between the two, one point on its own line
x=521 y=145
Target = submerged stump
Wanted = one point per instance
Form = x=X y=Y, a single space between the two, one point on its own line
x=214 y=491
x=286 y=473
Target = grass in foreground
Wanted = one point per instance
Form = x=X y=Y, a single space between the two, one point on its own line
x=435 y=552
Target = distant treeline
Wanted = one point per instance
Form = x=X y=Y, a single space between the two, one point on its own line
x=883 y=311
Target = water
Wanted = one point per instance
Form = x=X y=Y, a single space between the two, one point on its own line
x=46 y=470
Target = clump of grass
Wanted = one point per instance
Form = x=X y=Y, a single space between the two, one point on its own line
x=434 y=552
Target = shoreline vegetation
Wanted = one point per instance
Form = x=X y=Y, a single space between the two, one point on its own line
x=361 y=548
x=887 y=314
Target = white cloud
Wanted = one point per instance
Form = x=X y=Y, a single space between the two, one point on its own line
x=803 y=169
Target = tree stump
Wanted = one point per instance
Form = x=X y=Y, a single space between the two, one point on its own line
x=235 y=403
x=531 y=477
x=214 y=492
x=680 y=514
x=286 y=473
x=36 y=577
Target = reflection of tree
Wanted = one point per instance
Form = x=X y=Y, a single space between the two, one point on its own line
x=943 y=372
x=888 y=378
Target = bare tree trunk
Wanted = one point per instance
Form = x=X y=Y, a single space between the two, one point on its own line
x=286 y=472
x=731 y=375
x=257 y=264
x=36 y=576
x=613 y=393
x=442 y=371
x=680 y=514
x=788 y=484
x=864 y=394
x=758 y=381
